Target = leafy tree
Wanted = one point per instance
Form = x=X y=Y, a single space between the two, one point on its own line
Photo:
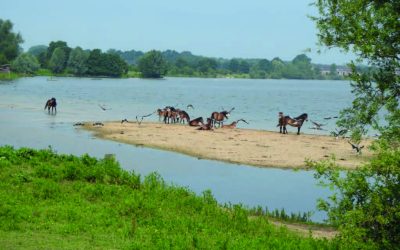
x=233 y=65
x=104 y=64
x=57 y=61
x=299 y=68
x=370 y=29
x=37 y=50
x=207 y=65
x=9 y=42
x=278 y=67
x=62 y=45
x=26 y=63
x=152 y=65
x=366 y=204
x=77 y=62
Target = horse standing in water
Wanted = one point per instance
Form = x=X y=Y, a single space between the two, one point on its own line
x=294 y=122
x=51 y=104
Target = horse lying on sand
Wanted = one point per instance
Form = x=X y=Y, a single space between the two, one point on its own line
x=294 y=122
x=207 y=126
x=196 y=122
x=51 y=104
x=233 y=124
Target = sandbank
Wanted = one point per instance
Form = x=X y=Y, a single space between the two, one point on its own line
x=241 y=146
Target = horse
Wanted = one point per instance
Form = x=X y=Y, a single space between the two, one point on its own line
x=207 y=126
x=170 y=114
x=51 y=104
x=294 y=122
x=233 y=124
x=183 y=115
x=196 y=122
x=161 y=113
x=219 y=117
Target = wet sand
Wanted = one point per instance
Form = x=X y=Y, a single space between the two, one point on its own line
x=242 y=146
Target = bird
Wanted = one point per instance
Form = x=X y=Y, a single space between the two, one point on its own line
x=103 y=108
x=338 y=133
x=79 y=124
x=189 y=106
x=317 y=125
x=356 y=147
x=330 y=117
x=124 y=120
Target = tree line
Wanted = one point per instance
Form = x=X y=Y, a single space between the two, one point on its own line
x=60 y=59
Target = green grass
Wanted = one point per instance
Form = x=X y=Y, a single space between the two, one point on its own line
x=52 y=201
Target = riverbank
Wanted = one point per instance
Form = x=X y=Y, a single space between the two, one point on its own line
x=241 y=146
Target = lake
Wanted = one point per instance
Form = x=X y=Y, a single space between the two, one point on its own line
x=24 y=123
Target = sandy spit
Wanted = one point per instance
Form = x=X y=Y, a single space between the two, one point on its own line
x=242 y=146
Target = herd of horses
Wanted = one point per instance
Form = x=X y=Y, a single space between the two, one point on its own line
x=171 y=114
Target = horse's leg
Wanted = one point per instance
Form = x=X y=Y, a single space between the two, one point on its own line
x=280 y=129
x=298 y=130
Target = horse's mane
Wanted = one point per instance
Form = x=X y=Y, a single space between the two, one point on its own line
x=302 y=117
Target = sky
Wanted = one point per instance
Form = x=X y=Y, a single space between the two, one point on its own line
x=214 y=28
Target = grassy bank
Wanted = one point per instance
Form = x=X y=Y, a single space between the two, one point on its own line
x=61 y=201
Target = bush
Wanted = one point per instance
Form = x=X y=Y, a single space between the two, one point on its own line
x=366 y=202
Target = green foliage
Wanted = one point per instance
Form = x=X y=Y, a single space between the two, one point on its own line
x=366 y=203
x=104 y=64
x=9 y=42
x=25 y=63
x=371 y=30
x=77 y=62
x=37 y=50
x=47 y=199
x=57 y=61
x=152 y=65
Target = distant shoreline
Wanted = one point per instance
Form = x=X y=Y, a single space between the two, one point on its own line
x=239 y=146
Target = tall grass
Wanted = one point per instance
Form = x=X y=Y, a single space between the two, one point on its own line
x=55 y=201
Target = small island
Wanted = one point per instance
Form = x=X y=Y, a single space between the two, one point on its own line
x=259 y=148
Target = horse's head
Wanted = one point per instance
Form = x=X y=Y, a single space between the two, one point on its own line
x=225 y=114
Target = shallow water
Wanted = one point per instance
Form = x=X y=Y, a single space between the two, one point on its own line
x=24 y=123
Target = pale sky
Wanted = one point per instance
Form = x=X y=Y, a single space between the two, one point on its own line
x=215 y=28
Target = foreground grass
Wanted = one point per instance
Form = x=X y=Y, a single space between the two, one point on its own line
x=56 y=201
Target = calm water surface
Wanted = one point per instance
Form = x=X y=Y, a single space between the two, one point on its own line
x=24 y=123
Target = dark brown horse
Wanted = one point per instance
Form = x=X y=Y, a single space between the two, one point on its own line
x=207 y=126
x=196 y=122
x=233 y=124
x=294 y=122
x=183 y=115
x=51 y=104
x=218 y=117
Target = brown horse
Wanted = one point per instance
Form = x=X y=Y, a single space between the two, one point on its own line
x=51 y=104
x=196 y=122
x=218 y=117
x=183 y=115
x=233 y=124
x=294 y=122
x=207 y=126
x=161 y=113
x=170 y=114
